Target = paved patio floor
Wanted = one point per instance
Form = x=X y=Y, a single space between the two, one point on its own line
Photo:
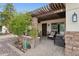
x=45 y=48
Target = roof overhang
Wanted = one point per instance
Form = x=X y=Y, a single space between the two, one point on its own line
x=50 y=11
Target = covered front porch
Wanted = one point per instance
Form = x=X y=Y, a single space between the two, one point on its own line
x=50 y=19
x=60 y=13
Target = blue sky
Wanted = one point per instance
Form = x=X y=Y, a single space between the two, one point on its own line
x=22 y=7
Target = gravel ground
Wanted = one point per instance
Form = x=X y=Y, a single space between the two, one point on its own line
x=5 y=50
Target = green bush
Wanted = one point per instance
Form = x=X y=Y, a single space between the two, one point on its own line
x=18 y=25
x=33 y=33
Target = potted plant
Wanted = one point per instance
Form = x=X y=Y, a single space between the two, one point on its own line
x=34 y=35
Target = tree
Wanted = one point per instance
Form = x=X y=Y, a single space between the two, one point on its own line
x=1 y=15
x=19 y=24
x=28 y=22
x=8 y=13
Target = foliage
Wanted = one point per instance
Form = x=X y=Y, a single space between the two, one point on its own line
x=19 y=24
x=12 y=20
x=33 y=33
x=7 y=14
x=28 y=22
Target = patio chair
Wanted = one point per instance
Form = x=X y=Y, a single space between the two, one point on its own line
x=52 y=35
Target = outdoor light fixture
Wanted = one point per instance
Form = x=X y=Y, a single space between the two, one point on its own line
x=74 y=17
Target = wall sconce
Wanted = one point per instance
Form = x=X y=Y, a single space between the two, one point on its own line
x=74 y=17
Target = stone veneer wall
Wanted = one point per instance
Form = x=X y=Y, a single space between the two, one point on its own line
x=72 y=43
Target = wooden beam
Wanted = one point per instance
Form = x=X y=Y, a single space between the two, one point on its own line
x=52 y=12
x=53 y=16
x=48 y=9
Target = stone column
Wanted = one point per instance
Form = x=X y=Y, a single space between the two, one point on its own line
x=35 y=22
x=35 y=41
x=72 y=30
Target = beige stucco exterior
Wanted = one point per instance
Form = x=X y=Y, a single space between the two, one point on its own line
x=72 y=30
x=70 y=9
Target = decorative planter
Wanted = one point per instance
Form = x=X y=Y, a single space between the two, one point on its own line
x=32 y=43
x=35 y=42
x=26 y=42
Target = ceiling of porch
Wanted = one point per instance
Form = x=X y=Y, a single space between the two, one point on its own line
x=50 y=11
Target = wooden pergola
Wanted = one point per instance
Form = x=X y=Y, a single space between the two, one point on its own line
x=50 y=11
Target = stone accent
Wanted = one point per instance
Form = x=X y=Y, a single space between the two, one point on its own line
x=35 y=22
x=72 y=43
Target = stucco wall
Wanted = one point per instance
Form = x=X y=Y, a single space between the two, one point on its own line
x=72 y=30
x=70 y=9
x=49 y=23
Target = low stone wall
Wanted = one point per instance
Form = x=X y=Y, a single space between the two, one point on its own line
x=72 y=43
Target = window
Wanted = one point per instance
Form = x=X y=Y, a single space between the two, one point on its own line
x=62 y=27
x=54 y=27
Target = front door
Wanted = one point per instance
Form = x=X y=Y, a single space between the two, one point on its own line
x=44 y=29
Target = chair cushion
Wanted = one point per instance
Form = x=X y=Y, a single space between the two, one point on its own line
x=51 y=34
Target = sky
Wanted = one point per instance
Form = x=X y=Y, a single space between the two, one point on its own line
x=22 y=7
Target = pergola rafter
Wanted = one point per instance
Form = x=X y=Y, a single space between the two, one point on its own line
x=49 y=11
